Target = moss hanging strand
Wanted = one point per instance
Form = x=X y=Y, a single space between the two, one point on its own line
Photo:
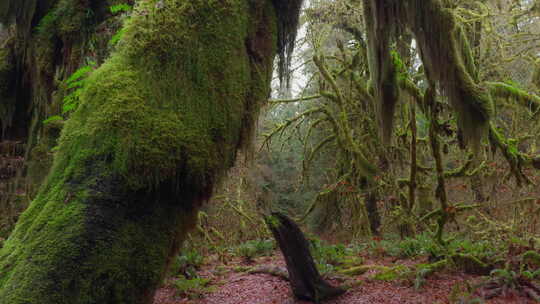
x=288 y=18
x=157 y=126
x=446 y=56
x=380 y=19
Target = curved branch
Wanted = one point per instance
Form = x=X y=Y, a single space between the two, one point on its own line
x=523 y=98
x=302 y=98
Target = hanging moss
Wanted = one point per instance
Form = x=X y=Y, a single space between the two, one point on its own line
x=158 y=125
x=380 y=24
x=448 y=61
x=288 y=18
x=446 y=55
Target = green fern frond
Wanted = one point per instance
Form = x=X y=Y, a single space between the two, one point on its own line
x=122 y=7
x=116 y=37
x=78 y=74
x=53 y=119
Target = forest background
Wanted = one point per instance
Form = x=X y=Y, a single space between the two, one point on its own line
x=419 y=179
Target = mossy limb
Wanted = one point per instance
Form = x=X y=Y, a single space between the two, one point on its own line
x=359 y=270
x=447 y=60
x=392 y=273
x=471 y=264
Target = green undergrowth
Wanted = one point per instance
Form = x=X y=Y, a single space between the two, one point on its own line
x=255 y=248
x=187 y=263
x=428 y=257
x=474 y=257
x=184 y=277
x=71 y=89
x=424 y=245
x=333 y=257
x=194 y=288
x=520 y=275
x=123 y=10
x=120 y=8
x=524 y=266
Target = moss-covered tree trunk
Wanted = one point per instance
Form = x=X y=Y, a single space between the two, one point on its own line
x=159 y=123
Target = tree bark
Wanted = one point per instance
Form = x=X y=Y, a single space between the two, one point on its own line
x=306 y=282
x=158 y=125
x=374 y=217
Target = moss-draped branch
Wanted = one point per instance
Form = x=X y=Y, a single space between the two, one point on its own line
x=445 y=54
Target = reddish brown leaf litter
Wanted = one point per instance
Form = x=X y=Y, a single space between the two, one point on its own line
x=243 y=288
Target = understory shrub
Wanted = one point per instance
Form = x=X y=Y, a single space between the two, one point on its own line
x=187 y=263
x=192 y=288
x=255 y=248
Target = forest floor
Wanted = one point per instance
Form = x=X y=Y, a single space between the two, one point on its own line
x=230 y=283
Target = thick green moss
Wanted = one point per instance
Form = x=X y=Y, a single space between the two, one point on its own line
x=158 y=124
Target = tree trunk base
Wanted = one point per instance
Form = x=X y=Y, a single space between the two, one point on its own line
x=306 y=282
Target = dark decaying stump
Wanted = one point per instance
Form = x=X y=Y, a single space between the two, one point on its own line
x=305 y=280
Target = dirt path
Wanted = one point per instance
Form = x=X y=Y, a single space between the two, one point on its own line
x=243 y=288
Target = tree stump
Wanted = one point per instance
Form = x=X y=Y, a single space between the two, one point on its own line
x=305 y=280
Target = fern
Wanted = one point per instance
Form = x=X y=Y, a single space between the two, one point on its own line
x=192 y=288
x=116 y=37
x=53 y=118
x=80 y=73
x=75 y=83
x=71 y=101
x=123 y=7
x=73 y=87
